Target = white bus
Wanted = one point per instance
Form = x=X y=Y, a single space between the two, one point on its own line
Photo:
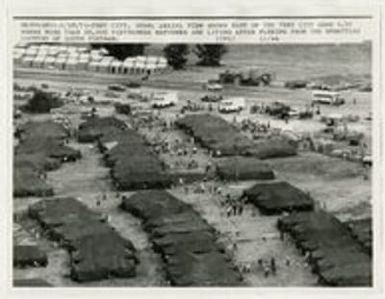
x=327 y=97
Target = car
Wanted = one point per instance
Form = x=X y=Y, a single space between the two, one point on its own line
x=132 y=84
x=116 y=87
x=212 y=85
x=212 y=98
x=367 y=160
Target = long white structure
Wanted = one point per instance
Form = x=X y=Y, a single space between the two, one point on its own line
x=84 y=59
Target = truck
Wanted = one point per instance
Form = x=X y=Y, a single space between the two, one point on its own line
x=327 y=97
x=164 y=99
x=232 y=105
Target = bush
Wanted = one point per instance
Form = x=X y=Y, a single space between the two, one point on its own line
x=42 y=102
x=123 y=108
x=176 y=55
x=210 y=54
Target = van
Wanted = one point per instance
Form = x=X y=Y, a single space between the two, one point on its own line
x=164 y=99
x=232 y=105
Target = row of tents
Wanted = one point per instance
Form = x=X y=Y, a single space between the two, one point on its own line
x=96 y=250
x=73 y=58
x=334 y=255
x=224 y=139
x=133 y=164
x=185 y=241
x=41 y=148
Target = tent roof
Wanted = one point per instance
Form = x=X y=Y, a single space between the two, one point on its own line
x=50 y=59
x=28 y=58
x=72 y=61
x=40 y=58
x=116 y=63
x=31 y=51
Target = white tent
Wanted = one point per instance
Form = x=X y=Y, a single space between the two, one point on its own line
x=38 y=62
x=151 y=67
x=73 y=56
x=105 y=64
x=21 y=51
x=42 y=52
x=21 y=45
x=62 y=55
x=72 y=49
x=116 y=67
x=27 y=61
x=44 y=47
x=71 y=64
x=53 y=50
x=17 y=57
x=82 y=49
x=103 y=51
x=83 y=64
x=128 y=66
x=141 y=58
x=60 y=63
x=140 y=67
x=84 y=56
x=31 y=51
x=49 y=62
x=63 y=49
x=94 y=66
x=152 y=60
x=162 y=60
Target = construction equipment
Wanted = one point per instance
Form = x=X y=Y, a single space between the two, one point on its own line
x=248 y=77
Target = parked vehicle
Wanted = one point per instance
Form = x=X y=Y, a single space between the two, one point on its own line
x=327 y=97
x=116 y=87
x=213 y=85
x=164 y=99
x=232 y=105
x=212 y=98
x=278 y=109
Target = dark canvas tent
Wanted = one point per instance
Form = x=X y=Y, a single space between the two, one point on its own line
x=97 y=127
x=361 y=230
x=29 y=255
x=335 y=255
x=50 y=147
x=26 y=182
x=43 y=129
x=186 y=242
x=271 y=148
x=224 y=139
x=215 y=133
x=31 y=282
x=276 y=197
x=41 y=149
x=96 y=250
x=244 y=168
x=133 y=165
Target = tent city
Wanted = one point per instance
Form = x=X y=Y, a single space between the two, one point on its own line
x=198 y=165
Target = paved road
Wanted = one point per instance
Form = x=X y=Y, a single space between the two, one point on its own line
x=156 y=81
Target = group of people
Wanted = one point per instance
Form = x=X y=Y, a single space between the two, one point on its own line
x=233 y=206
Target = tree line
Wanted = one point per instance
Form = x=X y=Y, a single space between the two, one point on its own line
x=176 y=54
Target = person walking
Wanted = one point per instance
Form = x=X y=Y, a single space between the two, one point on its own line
x=266 y=270
x=273 y=266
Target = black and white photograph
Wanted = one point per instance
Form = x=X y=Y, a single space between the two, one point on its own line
x=207 y=163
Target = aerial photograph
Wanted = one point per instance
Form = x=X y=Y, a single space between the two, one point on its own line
x=192 y=165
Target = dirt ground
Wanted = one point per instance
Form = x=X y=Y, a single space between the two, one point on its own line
x=336 y=185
